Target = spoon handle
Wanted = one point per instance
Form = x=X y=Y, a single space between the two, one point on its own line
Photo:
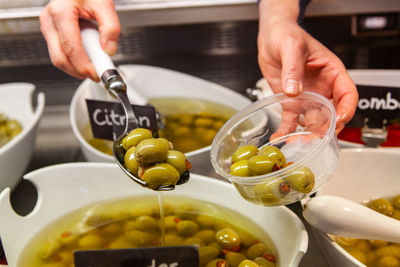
x=342 y=217
x=101 y=60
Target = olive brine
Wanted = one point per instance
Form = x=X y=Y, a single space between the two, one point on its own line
x=9 y=128
x=153 y=159
x=135 y=222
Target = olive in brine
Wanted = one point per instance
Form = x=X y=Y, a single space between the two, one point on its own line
x=396 y=201
x=271 y=192
x=240 y=168
x=262 y=262
x=382 y=205
x=135 y=136
x=178 y=160
x=274 y=153
x=234 y=258
x=162 y=174
x=187 y=228
x=301 y=180
x=248 y=263
x=244 y=152
x=227 y=238
x=218 y=263
x=259 y=165
x=151 y=151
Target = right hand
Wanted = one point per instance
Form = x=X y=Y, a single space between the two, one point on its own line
x=59 y=23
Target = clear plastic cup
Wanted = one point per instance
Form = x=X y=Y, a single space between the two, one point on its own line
x=302 y=127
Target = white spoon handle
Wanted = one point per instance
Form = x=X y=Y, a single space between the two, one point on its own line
x=100 y=59
x=342 y=217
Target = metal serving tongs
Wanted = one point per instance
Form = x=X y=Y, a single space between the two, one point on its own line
x=116 y=86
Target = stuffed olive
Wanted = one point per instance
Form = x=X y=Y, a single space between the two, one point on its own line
x=9 y=128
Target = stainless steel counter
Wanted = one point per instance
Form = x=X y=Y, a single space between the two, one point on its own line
x=56 y=144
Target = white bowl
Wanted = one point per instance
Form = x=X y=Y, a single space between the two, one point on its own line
x=67 y=187
x=151 y=82
x=16 y=103
x=362 y=174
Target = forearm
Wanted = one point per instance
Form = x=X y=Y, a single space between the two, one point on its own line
x=273 y=11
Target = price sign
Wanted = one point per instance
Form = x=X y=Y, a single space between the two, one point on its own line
x=107 y=119
x=182 y=256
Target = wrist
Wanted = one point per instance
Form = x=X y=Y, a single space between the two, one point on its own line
x=278 y=11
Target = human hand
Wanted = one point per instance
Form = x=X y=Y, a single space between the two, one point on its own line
x=60 y=26
x=290 y=59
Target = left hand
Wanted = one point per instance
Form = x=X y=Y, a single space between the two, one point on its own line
x=291 y=61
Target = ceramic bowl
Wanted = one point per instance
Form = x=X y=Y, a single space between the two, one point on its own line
x=307 y=141
x=16 y=103
x=151 y=82
x=362 y=174
x=65 y=188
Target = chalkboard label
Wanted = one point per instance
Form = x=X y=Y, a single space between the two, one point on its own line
x=107 y=119
x=377 y=103
x=182 y=256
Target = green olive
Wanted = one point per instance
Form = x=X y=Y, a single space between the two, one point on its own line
x=396 y=201
x=67 y=238
x=208 y=253
x=208 y=136
x=218 y=263
x=271 y=192
x=161 y=174
x=262 y=262
x=146 y=223
x=140 y=238
x=382 y=205
x=346 y=241
x=171 y=221
x=246 y=238
x=173 y=240
x=166 y=142
x=248 y=263
x=151 y=151
x=130 y=162
x=90 y=241
x=14 y=128
x=135 y=136
x=274 y=153
x=301 y=180
x=205 y=221
x=206 y=235
x=204 y=122
x=258 y=250
x=378 y=243
x=240 y=168
x=259 y=165
x=227 y=238
x=186 y=119
x=49 y=248
x=187 y=227
x=178 y=160
x=191 y=241
x=234 y=258
x=120 y=242
x=244 y=152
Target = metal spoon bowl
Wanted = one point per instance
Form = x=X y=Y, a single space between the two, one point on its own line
x=116 y=86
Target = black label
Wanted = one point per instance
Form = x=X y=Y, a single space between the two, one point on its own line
x=107 y=119
x=183 y=256
x=377 y=103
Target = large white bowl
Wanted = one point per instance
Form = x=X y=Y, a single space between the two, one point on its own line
x=16 y=103
x=151 y=82
x=362 y=174
x=67 y=187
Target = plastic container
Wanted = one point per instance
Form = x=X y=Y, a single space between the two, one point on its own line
x=308 y=141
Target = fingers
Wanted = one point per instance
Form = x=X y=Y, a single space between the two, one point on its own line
x=56 y=53
x=109 y=27
x=60 y=27
x=288 y=124
x=346 y=97
x=293 y=56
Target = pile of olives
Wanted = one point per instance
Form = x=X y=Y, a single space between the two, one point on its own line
x=249 y=161
x=189 y=132
x=153 y=159
x=376 y=253
x=9 y=128
x=185 y=223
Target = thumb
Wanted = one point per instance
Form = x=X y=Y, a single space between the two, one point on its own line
x=293 y=63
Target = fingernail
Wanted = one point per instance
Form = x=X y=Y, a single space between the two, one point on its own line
x=293 y=87
x=111 y=48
